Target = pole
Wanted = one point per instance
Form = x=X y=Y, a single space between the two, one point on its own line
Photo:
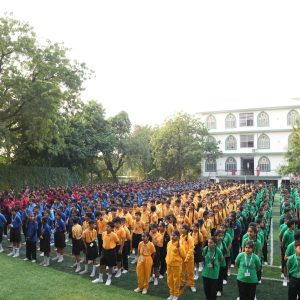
x=245 y=179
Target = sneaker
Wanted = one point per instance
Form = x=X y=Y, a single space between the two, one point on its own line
x=124 y=271
x=161 y=276
x=16 y=255
x=265 y=263
x=151 y=279
x=108 y=281
x=224 y=282
x=33 y=261
x=42 y=254
x=219 y=294
x=155 y=281
x=196 y=277
x=78 y=268
x=193 y=289
x=98 y=280
x=134 y=261
x=25 y=259
x=170 y=297
x=285 y=283
x=119 y=273
x=201 y=268
x=137 y=290
x=98 y=265
x=259 y=282
x=1 y=250
x=232 y=266
x=229 y=272
x=175 y=298
x=61 y=259
x=83 y=272
x=55 y=258
x=144 y=292
x=282 y=275
x=11 y=254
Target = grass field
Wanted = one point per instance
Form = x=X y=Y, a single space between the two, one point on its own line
x=24 y=280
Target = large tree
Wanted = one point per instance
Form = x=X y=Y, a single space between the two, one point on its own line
x=179 y=146
x=38 y=83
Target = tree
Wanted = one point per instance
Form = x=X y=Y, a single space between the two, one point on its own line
x=139 y=157
x=114 y=152
x=180 y=144
x=37 y=84
x=293 y=153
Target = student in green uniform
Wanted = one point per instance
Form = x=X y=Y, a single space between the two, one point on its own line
x=288 y=237
x=248 y=264
x=293 y=267
x=212 y=257
x=290 y=250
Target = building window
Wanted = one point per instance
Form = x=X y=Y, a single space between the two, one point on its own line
x=211 y=122
x=230 y=121
x=230 y=143
x=263 y=119
x=291 y=117
x=246 y=119
x=264 y=164
x=210 y=165
x=247 y=141
x=230 y=164
x=211 y=139
x=263 y=142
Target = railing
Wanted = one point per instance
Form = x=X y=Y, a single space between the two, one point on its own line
x=240 y=172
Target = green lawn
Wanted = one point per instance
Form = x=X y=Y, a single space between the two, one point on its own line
x=24 y=280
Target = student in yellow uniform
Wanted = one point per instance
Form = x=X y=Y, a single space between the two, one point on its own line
x=101 y=227
x=158 y=243
x=175 y=258
x=108 y=256
x=192 y=215
x=145 y=216
x=89 y=237
x=126 y=248
x=120 y=231
x=198 y=241
x=138 y=229
x=77 y=243
x=188 y=264
x=146 y=252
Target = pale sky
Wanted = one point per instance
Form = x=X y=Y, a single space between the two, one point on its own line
x=154 y=58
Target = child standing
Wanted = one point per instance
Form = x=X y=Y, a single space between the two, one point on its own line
x=3 y=222
x=59 y=237
x=174 y=260
x=31 y=238
x=146 y=252
x=15 y=232
x=45 y=241
x=248 y=264
x=77 y=243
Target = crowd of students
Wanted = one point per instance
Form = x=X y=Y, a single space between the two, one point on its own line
x=171 y=229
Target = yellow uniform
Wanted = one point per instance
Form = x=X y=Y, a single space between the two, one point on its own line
x=77 y=232
x=89 y=235
x=174 y=259
x=188 y=264
x=144 y=264
x=110 y=240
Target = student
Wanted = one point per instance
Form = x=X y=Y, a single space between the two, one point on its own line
x=120 y=232
x=59 y=237
x=45 y=241
x=3 y=222
x=293 y=268
x=15 y=232
x=188 y=264
x=126 y=248
x=108 y=255
x=174 y=259
x=138 y=229
x=198 y=240
x=163 y=249
x=248 y=264
x=212 y=257
x=157 y=241
x=31 y=238
x=146 y=252
x=288 y=237
x=89 y=237
x=77 y=242
x=101 y=227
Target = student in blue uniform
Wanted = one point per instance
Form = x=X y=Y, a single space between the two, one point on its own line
x=59 y=237
x=15 y=232
x=45 y=241
x=3 y=222
x=31 y=238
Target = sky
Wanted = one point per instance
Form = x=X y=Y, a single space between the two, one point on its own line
x=155 y=58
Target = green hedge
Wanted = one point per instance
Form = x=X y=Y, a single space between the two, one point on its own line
x=17 y=177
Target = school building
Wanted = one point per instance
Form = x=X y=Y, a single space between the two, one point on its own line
x=253 y=142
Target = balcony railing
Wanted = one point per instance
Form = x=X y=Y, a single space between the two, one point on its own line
x=240 y=172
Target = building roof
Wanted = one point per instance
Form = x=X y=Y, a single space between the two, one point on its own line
x=249 y=109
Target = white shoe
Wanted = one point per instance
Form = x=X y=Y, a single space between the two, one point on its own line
x=282 y=275
x=232 y=265
x=25 y=259
x=201 y=268
x=134 y=261
x=137 y=290
x=108 y=281
x=1 y=250
x=55 y=258
x=229 y=272
x=61 y=259
x=124 y=272
x=265 y=263
x=33 y=261
x=144 y=292
x=193 y=289
x=98 y=265
x=98 y=280
x=259 y=282
x=224 y=282
x=119 y=273
x=83 y=272
x=42 y=254
x=151 y=279
x=170 y=297
x=219 y=294
x=16 y=255
x=196 y=277
x=155 y=281
x=11 y=254
x=161 y=276
x=78 y=268
x=285 y=283
x=175 y=298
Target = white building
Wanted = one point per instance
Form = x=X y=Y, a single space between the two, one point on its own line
x=252 y=141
